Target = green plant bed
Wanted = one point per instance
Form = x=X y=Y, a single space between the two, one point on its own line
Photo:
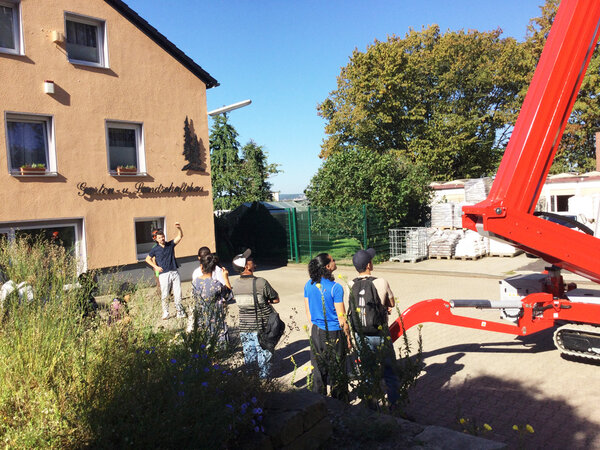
x=69 y=381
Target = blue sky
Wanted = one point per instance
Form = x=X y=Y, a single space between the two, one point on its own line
x=285 y=56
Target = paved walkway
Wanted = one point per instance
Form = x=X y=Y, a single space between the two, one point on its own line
x=483 y=377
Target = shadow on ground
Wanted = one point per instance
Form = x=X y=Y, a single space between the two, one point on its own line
x=284 y=365
x=501 y=403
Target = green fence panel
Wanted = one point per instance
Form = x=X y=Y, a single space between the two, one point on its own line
x=313 y=230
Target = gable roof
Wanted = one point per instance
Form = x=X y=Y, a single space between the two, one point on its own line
x=163 y=42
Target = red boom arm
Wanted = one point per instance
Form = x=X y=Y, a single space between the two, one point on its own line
x=507 y=213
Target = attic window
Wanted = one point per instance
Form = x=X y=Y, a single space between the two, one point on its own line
x=86 y=40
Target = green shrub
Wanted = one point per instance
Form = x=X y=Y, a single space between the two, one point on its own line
x=71 y=380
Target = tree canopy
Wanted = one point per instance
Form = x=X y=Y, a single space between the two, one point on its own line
x=236 y=179
x=442 y=100
x=449 y=100
x=359 y=176
x=577 y=151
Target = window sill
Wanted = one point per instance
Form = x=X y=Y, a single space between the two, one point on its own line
x=136 y=174
x=37 y=175
x=88 y=64
x=8 y=51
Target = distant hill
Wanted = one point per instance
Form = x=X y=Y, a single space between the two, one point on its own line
x=289 y=197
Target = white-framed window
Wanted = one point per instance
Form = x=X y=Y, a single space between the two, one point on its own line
x=11 y=36
x=143 y=234
x=559 y=203
x=125 y=147
x=86 y=40
x=68 y=233
x=30 y=143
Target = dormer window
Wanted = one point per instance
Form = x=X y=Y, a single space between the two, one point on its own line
x=86 y=40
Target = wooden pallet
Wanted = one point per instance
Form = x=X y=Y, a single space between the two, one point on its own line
x=404 y=259
x=468 y=258
x=440 y=257
x=505 y=255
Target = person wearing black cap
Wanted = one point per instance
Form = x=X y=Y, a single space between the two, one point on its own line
x=380 y=338
x=254 y=296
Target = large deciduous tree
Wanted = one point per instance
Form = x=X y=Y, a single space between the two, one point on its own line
x=577 y=148
x=388 y=182
x=443 y=100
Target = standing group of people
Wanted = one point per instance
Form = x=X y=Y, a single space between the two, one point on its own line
x=333 y=328
x=212 y=290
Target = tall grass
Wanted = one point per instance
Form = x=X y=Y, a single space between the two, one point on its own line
x=71 y=380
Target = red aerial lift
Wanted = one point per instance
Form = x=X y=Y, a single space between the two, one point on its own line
x=508 y=212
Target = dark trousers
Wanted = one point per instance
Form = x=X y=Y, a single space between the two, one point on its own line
x=328 y=358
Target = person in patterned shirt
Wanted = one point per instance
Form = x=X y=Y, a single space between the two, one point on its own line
x=208 y=310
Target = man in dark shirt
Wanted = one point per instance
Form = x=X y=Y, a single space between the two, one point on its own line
x=162 y=259
x=253 y=314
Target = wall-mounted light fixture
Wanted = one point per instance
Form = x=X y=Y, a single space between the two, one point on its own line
x=49 y=87
x=57 y=36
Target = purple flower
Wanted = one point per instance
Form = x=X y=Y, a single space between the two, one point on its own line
x=229 y=406
x=195 y=355
x=253 y=400
x=181 y=393
x=173 y=361
x=256 y=429
x=257 y=411
x=259 y=418
x=203 y=346
x=206 y=369
x=147 y=352
x=204 y=383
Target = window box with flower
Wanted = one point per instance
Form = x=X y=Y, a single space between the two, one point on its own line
x=127 y=170
x=33 y=169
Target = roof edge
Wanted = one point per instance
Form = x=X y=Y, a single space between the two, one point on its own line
x=163 y=42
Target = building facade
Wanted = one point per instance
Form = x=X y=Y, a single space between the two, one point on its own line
x=104 y=134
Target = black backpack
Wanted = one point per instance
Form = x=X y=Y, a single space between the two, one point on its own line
x=367 y=313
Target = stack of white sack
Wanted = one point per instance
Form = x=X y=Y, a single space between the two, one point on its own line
x=477 y=189
x=498 y=248
x=443 y=243
x=472 y=245
x=442 y=215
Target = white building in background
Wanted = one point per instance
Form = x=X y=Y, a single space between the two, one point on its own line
x=568 y=193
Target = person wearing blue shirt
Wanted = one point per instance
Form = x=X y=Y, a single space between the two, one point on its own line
x=330 y=335
x=162 y=259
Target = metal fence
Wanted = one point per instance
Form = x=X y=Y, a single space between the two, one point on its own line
x=408 y=244
x=308 y=231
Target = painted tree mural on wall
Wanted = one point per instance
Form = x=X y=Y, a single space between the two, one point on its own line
x=191 y=148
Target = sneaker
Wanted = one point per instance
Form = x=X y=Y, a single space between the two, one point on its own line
x=165 y=316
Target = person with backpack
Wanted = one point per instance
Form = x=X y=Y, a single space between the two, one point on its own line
x=371 y=301
x=330 y=334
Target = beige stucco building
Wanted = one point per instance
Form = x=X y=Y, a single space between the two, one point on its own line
x=90 y=91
